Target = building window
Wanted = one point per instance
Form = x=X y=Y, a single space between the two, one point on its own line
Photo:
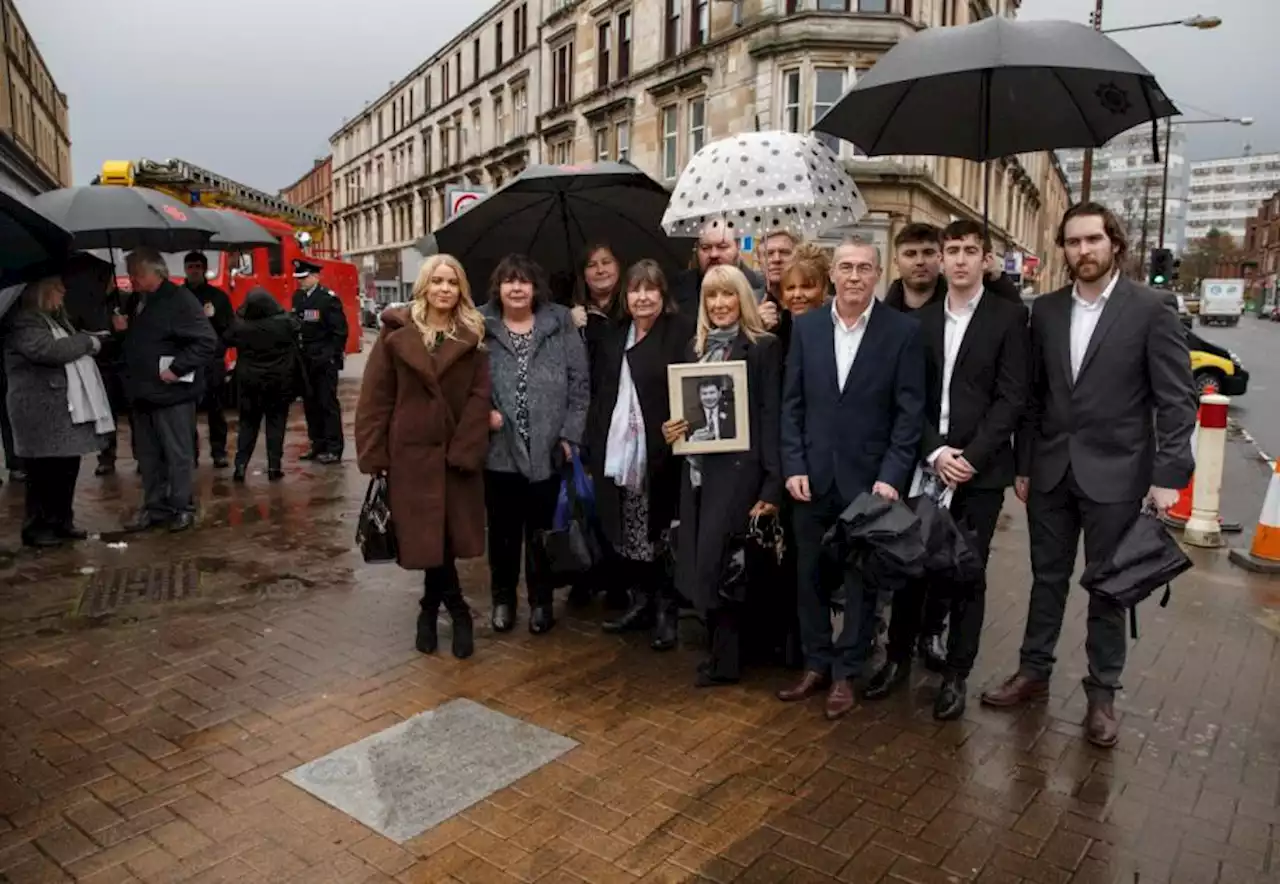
x=475 y=60
x=499 y=120
x=445 y=134
x=520 y=110
x=701 y=22
x=791 y=101
x=560 y=152
x=426 y=153
x=497 y=45
x=602 y=144
x=457 y=72
x=476 y=130
x=562 y=75
x=622 y=141
x=697 y=125
x=520 y=29
x=624 y=44
x=828 y=86
x=792 y=6
x=671 y=39
x=426 y=91
x=670 y=138
x=604 y=40
x=834 y=5
x=444 y=82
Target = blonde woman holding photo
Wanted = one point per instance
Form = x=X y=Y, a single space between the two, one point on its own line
x=423 y=422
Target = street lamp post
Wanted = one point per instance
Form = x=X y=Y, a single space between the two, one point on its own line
x=1199 y=22
x=1168 y=138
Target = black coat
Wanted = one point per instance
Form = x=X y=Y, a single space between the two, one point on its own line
x=217 y=307
x=896 y=298
x=664 y=344
x=988 y=387
x=732 y=483
x=168 y=322
x=324 y=325
x=268 y=362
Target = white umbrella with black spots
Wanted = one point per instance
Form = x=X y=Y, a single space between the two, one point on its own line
x=759 y=183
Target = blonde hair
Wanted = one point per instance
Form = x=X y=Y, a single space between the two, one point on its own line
x=36 y=294
x=724 y=278
x=465 y=315
x=811 y=264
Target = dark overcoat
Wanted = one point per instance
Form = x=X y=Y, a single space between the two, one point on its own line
x=732 y=483
x=423 y=417
x=663 y=345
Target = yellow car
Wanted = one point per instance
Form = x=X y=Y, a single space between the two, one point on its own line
x=1211 y=364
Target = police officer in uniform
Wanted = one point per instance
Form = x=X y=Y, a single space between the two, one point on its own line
x=324 y=340
x=217 y=307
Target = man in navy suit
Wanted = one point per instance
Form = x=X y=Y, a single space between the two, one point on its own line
x=852 y=416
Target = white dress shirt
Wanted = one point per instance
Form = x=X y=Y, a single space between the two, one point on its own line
x=1084 y=320
x=956 y=324
x=848 y=339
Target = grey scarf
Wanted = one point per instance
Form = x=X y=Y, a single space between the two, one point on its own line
x=719 y=343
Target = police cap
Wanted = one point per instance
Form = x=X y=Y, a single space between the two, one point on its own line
x=303 y=268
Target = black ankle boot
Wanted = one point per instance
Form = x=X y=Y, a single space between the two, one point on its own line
x=639 y=615
x=428 y=636
x=463 y=638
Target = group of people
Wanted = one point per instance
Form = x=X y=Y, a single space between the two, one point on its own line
x=78 y=354
x=1085 y=408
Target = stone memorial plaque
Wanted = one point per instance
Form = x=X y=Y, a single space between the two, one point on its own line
x=418 y=773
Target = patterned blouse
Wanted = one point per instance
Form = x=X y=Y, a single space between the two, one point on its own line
x=522 y=344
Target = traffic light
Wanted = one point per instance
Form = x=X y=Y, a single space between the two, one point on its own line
x=1161 y=268
x=1177 y=269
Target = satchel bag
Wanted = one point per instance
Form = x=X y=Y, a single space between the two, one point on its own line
x=751 y=557
x=1146 y=558
x=571 y=547
x=375 y=533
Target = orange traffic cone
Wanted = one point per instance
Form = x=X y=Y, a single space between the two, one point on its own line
x=1264 y=553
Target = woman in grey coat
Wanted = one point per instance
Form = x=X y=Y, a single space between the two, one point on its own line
x=538 y=366
x=57 y=405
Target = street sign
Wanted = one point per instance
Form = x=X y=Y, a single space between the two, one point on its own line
x=1013 y=263
x=459 y=199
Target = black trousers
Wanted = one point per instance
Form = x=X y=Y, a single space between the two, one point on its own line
x=11 y=460
x=978 y=510
x=516 y=509
x=844 y=656
x=211 y=405
x=1056 y=517
x=51 y=491
x=162 y=443
x=254 y=409
x=724 y=634
x=323 y=412
x=441 y=585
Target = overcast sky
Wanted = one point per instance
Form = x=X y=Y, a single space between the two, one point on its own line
x=252 y=89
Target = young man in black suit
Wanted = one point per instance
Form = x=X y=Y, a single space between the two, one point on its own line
x=976 y=348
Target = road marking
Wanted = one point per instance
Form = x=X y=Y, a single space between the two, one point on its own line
x=1244 y=434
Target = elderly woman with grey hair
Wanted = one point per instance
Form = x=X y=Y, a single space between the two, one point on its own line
x=57 y=405
x=541 y=389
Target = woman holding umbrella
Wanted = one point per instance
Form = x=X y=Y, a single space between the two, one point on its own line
x=636 y=478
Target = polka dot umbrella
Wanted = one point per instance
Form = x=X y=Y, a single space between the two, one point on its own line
x=757 y=183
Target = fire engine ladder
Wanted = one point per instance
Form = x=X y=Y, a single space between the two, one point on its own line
x=197 y=182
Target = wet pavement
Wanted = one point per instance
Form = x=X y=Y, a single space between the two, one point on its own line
x=155 y=694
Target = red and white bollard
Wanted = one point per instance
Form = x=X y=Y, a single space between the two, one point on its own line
x=1204 y=528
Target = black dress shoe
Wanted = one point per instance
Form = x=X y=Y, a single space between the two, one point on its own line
x=220 y=462
x=105 y=469
x=181 y=522
x=541 y=619
x=707 y=679
x=70 y=532
x=275 y=475
x=328 y=459
x=666 y=629
x=933 y=651
x=503 y=618
x=238 y=475
x=887 y=679
x=143 y=521
x=949 y=704
x=639 y=616
x=42 y=538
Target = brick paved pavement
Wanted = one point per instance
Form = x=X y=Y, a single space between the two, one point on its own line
x=144 y=740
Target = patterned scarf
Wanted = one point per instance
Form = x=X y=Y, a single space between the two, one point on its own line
x=719 y=343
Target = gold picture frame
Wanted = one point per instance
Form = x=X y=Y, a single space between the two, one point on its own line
x=723 y=414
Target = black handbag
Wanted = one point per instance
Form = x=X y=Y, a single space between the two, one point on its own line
x=1146 y=558
x=571 y=547
x=375 y=533
x=751 y=556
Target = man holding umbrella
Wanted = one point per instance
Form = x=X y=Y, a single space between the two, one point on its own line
x=217 y=307
x=324 y=340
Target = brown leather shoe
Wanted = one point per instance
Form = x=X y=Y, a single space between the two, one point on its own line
x=1016 y=690
x=1101 y=727
x=808 y=686
x=839 y=699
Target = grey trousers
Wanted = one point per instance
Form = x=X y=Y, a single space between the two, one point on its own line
x=164 y=444
x=1056 y=517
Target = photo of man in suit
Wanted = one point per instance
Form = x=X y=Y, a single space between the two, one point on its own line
x=1108 y=426
x=709 y=408
x=852 y=415
x=976 y=386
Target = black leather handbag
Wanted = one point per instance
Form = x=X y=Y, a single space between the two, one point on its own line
x=751 y=557
x=375 y=533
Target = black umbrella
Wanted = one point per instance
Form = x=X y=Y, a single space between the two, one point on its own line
x=235 y=231
x=997 y=88
x=551 y=213
x=27 y=238
x=111 y=217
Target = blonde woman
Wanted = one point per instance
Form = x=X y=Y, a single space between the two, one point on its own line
x=719 y=493
x=423 y=421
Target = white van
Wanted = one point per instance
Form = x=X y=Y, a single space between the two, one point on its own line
x=1221 y=301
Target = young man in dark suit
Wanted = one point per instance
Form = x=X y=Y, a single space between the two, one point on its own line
x=975 y=390
x=852 y=414
x=1111 y=411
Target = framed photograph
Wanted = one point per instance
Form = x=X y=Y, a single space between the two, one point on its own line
x=712 y=397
